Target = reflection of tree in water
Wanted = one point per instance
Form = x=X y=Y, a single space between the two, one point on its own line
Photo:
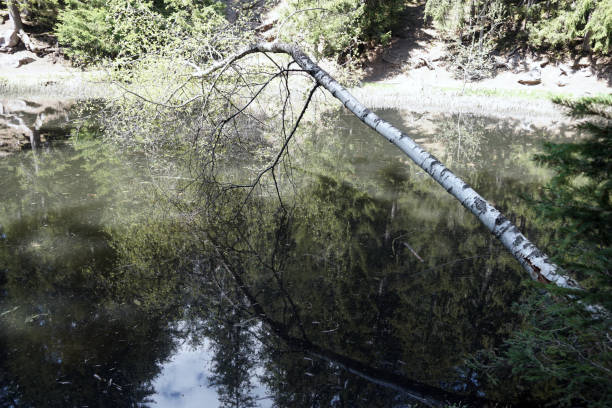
x=233 y=348
x=326 y=280
x=366 y=284
x=460 y=140
x=366 y=277
x=462 y=137
x=68 y=339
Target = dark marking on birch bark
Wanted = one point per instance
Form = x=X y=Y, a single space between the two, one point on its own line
x=500 y=219
x=536 y=254
x=540 y=278
x=518 y=240
x=376 y=123
x=480 y=205
x=503 y=230
x=466 y=186
x=365 y=114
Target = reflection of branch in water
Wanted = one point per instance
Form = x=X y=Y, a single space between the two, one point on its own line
x=533 y=260
x=413 y=251
x=421 y=392
x=32 y=133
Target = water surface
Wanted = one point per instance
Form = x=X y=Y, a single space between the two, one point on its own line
x=366 y=281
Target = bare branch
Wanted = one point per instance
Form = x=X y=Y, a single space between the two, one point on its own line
x=533 y=260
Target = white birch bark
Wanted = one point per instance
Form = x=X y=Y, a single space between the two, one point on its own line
x=534 y=261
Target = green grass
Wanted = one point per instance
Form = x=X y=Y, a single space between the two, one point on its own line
x=515 y=93
x=72 y=86
x=379 y=85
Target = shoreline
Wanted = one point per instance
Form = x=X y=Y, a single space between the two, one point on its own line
x=428 y=90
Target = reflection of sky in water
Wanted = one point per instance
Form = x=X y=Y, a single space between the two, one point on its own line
x=183 y=382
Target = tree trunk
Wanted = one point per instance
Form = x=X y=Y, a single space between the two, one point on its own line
x=11 y=39
x=534 y=261
x=14 y=15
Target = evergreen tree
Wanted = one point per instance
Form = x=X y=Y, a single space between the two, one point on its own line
x=562 y=355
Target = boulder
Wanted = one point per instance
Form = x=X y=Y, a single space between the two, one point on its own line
x=499 y=62
x=533 y=77
x=8 y=39
x=24 y=61
x=583 y=62
x=422 y=62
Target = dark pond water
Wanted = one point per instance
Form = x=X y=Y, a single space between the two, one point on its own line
x=366 y=287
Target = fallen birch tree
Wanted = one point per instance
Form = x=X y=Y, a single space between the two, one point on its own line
x=532 y=259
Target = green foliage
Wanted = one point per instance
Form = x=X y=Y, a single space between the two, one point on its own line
x=461 y=17
x=555 y=23
x=447 y=15
x=338 y=27
x=585 y=18
x=94 y=29
x=562 y=355
x=580 y=195
x=85 y=29
x=473 y=26
x=42 y=13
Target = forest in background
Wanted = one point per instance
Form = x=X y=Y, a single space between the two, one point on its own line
x=90 y=30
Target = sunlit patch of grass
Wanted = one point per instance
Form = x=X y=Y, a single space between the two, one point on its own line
x=433 y=100
x=514 y=93
x=82 y=86
x=379 y=85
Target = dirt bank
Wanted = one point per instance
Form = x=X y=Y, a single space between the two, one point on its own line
x=415 y=73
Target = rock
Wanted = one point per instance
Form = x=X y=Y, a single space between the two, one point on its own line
x=437 y=53
x=14 y=105
x=603 y=61
x=583 y=62
x=514 y=62
x=422 y=62
x=562 y=82
x=533 y=77
x=499 y=62
x=266 y=26
x=24 y=61
x=9 y=39
x=544 y=62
